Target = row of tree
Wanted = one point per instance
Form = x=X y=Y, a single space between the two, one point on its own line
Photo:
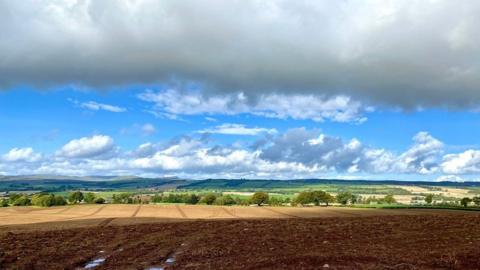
x=89 y=197
x=47 y=200
x=465 y=202
x=321 y=197
x=258 y=198
x=316 y=197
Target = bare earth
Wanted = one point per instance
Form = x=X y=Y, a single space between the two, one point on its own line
x=211 y=237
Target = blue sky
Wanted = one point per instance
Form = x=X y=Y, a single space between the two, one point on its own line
x=271 y=89
x=47 y=119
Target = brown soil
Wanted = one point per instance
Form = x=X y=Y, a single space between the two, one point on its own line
x=436 y=241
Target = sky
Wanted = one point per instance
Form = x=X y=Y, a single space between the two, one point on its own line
x=374 y=89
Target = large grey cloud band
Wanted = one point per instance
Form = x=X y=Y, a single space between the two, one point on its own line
x=404 y=53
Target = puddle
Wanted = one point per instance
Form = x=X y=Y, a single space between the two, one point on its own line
x=94 y=263
x=169 y=261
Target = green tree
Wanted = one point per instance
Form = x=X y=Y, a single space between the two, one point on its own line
x=476 y=200
x=122 y=198
x=328 y=198
x=44 y=200
x=465 y=201
x=259 y=198
x=173 y=198
x=13 y=197
x=241 y=201
x=429 y=198
x=75 y=197
x=192 y=198
x=304 y=197
x=355 y=199
x=389 y=199
x=344 y=197
x=322 y=197
x=89 y=197
x=47 y=200
x=157 y=198
x=208 y=199
x=4 y=203
x=23 y=200
x=60 y=200
x=224 y=200
x=275 y=201
x=99 y=200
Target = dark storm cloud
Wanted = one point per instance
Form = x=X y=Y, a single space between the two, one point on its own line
x=403 y=53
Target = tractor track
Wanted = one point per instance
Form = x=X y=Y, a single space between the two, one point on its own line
x=105 y=222
x=229 y=212
x=89 y=215
x=136 y=211
x=180 y=210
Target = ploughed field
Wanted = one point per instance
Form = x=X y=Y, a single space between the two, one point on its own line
x=132 y=237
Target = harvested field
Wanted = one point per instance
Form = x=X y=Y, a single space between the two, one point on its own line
x=137 y=213
x=423 y=240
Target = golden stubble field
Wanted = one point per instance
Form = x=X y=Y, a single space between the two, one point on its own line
x=118 y=214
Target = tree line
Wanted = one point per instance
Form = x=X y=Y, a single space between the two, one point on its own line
x=316 y=197
x=258 y=198
x=48 y=199
x=313 y=197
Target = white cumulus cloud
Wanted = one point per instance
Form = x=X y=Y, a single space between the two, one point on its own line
x=171 y=103
x=95 y=106
x=467 y=162
x=238 y=129
x=22 y=154
x=87 y=147
x=423 y=157
x=296 y=153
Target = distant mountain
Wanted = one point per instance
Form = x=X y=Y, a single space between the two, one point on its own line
x=61 y=183
x=64 y=177
x=53 y=183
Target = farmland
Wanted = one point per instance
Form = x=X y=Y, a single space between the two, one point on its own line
x=122 y=214
x=211 y=237
x=156 y=224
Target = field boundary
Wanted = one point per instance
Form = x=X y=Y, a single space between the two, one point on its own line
x=473 y=209
x=280 y=213
x=345 y=212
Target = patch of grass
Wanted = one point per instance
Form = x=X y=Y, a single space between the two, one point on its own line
x=406 y=206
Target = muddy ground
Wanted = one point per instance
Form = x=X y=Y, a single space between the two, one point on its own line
x=443 y=241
